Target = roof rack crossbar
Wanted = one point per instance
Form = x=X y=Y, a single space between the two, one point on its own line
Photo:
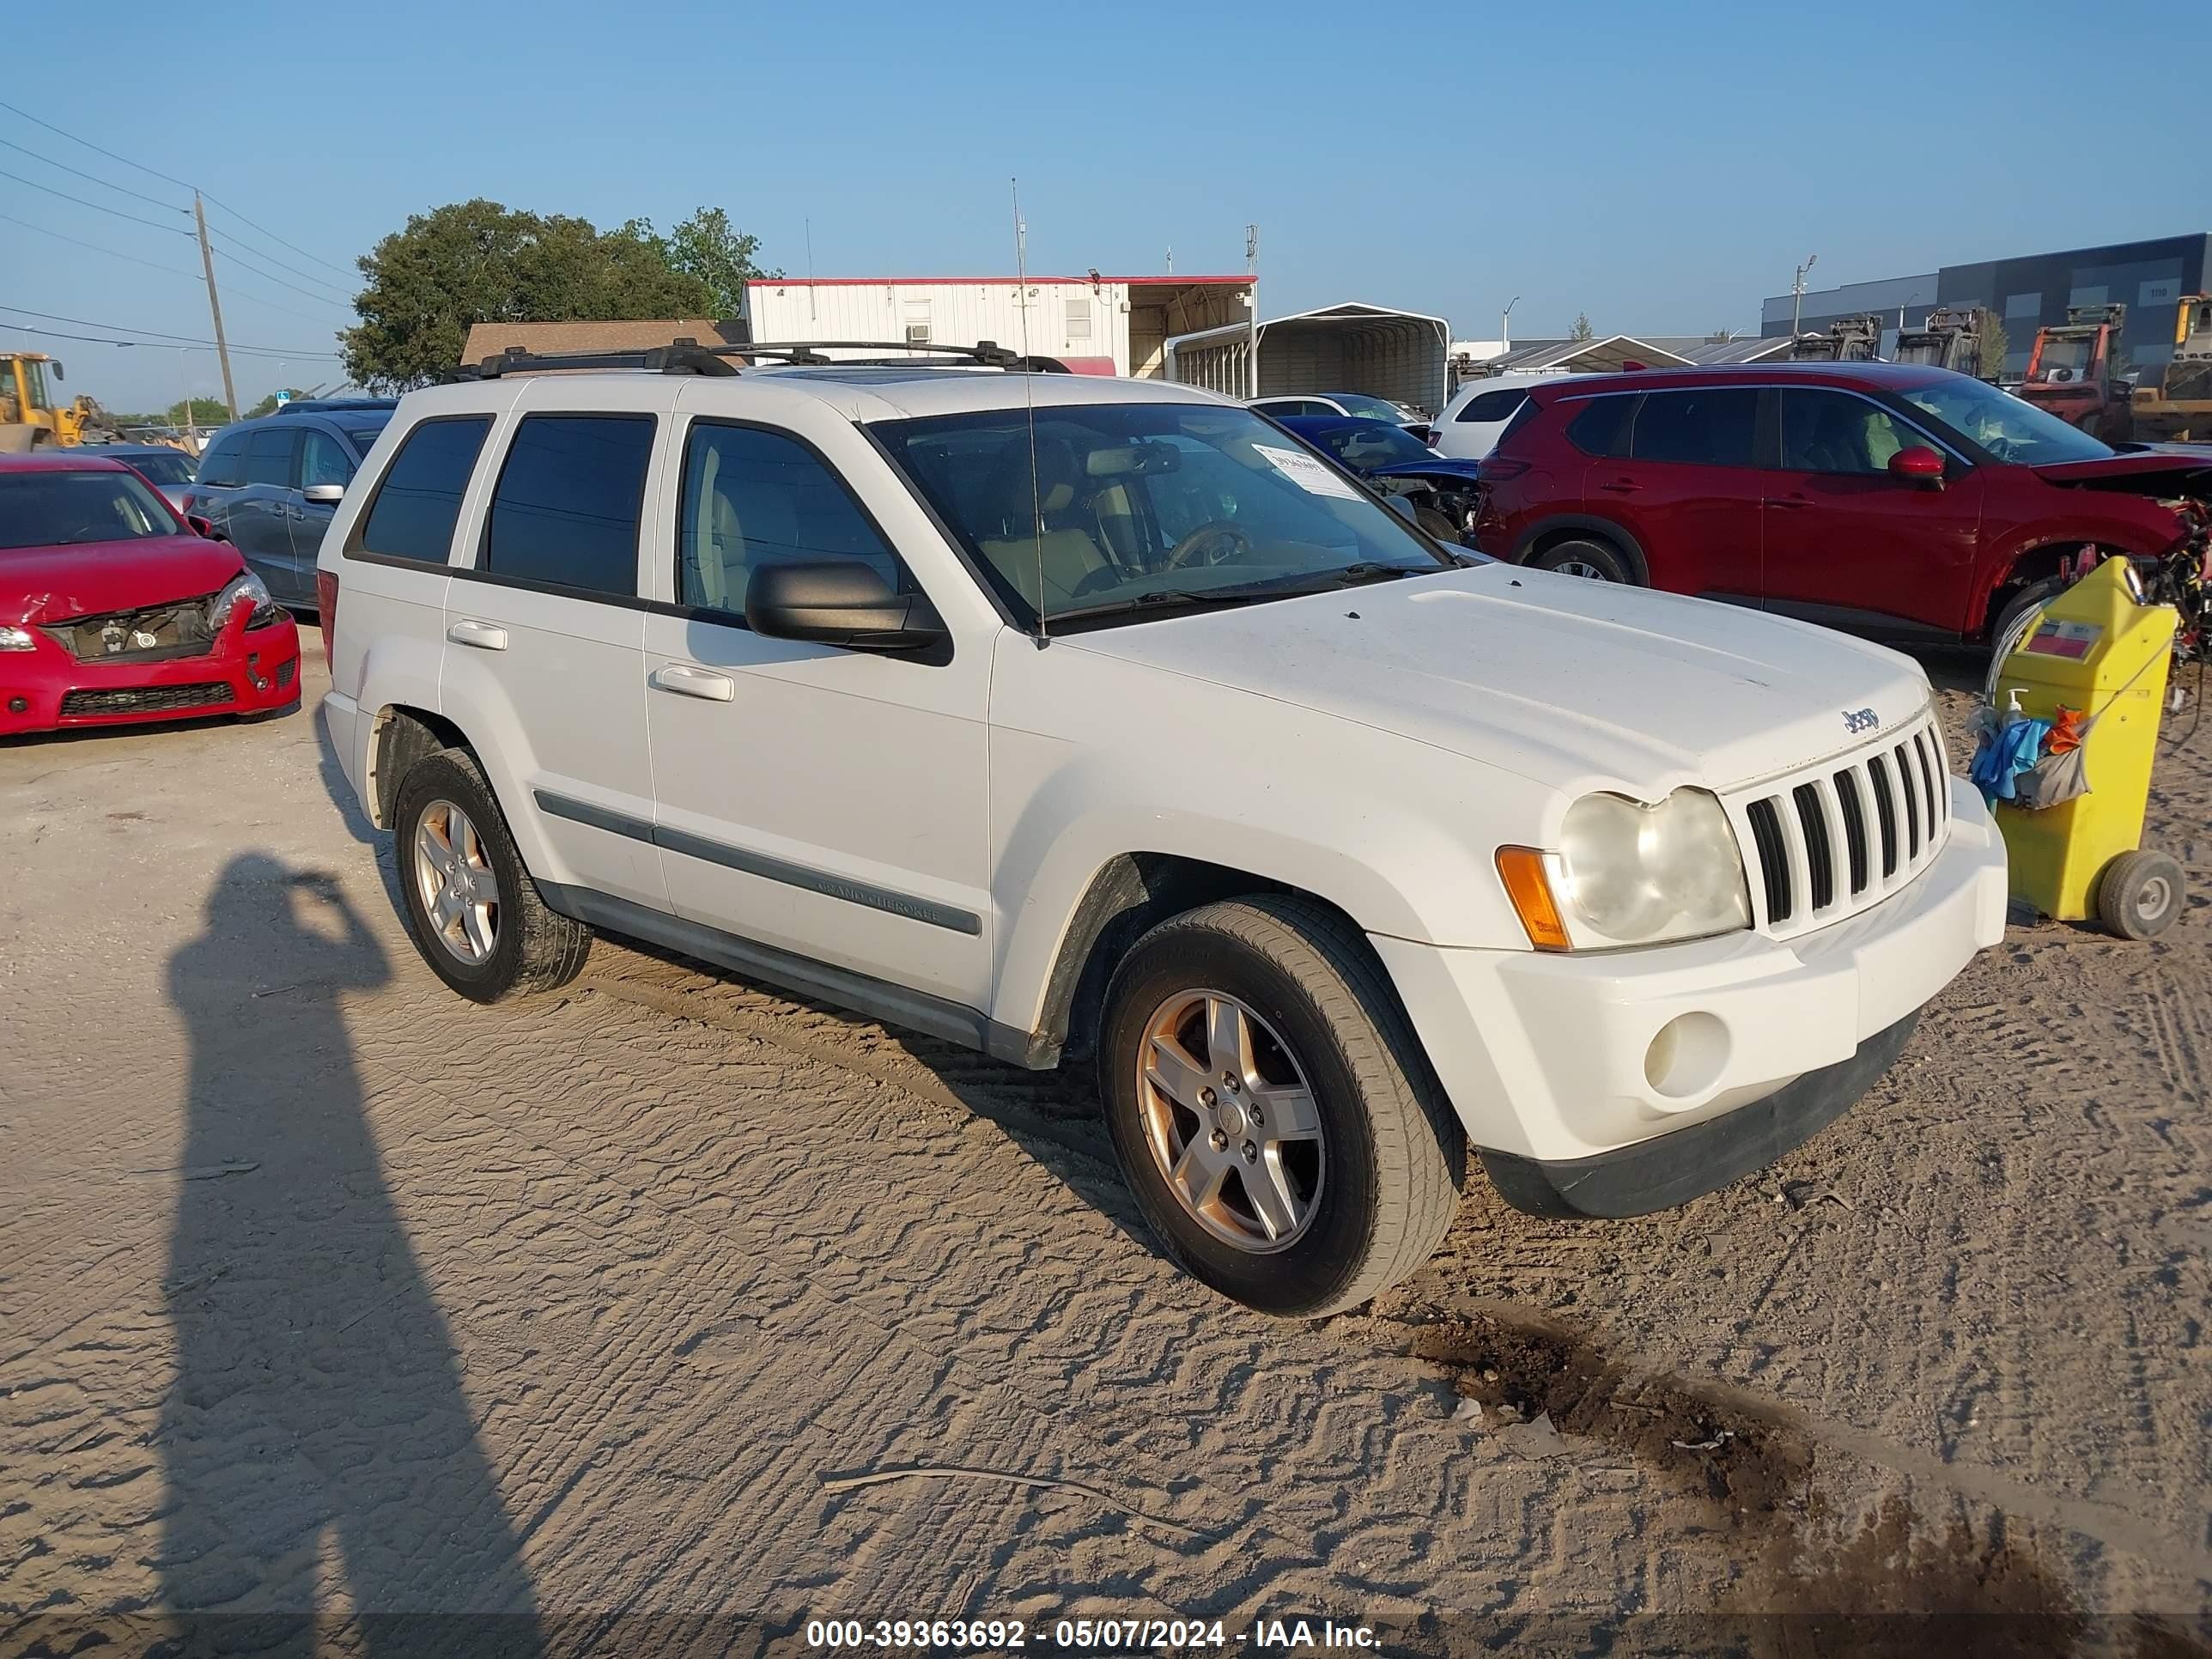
x=687 y=356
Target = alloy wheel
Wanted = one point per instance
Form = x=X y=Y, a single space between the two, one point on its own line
x=1231 y=1121
x=456 y=883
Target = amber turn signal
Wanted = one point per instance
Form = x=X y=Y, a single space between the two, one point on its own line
x=1522 y=869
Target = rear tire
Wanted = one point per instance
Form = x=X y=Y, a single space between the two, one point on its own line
x=1363 y=1158
x=1585 y=557
x=2140 y=894
x=2032 y=597
x=497 y=938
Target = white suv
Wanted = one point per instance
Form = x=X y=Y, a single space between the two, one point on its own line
x=1078 y=718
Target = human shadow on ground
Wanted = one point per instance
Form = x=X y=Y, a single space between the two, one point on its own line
x=317 y=1441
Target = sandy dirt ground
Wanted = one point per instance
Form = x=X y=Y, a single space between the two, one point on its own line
x=346 y=1315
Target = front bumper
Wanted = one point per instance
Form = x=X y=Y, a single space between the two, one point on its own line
x=249 y=671
x=1555 y=1059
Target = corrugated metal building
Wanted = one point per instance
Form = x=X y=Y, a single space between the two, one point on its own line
x=1090 y=322
x=1352 y=346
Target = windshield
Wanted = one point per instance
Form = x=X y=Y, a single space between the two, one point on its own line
x=1370 y=445
x=2009 y=428
x=2062 y=360
x=61 y=509
x=1368 y=408
x=1138 y=504
x=167 y=466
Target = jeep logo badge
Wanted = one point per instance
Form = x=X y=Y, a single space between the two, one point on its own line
x=1856 y=721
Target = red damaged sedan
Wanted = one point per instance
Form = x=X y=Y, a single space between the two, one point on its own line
x=112 y=612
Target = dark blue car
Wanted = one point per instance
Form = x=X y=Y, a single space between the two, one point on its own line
x=1391 y=461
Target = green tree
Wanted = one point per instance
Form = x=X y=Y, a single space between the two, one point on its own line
x=1993 y=345
x=706 y=247
x=206 y=411
x=478 y=261
x=1581 y=329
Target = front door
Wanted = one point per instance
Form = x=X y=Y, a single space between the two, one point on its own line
x=1850 y=543
x=1689 y=490
x=544 y=644
x=259 y=514
x=822 y=801
x=323 y=461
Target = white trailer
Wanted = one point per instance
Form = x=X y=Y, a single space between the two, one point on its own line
x=1104 y=324
x=1353 y=347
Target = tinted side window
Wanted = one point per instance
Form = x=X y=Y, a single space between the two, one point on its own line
x=225 y=461
x=269 y=457
x=323 y=461
x=1522 y=417
x=1491 y=405
x=753 y=498
x=1835 y=432
x=1602 y=429
x=420 y=496
x=1710 y=426
x=570 y=496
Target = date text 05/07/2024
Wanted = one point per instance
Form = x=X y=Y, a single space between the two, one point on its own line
x=1081 y=1635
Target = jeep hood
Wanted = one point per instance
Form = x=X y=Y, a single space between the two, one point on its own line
x=1575 y=684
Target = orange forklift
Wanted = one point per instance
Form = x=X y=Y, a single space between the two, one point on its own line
x=2074 y=373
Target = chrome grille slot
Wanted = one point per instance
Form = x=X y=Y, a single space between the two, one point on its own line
x=1836 y=839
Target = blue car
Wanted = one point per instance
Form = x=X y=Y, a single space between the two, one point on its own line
x=1391 y=461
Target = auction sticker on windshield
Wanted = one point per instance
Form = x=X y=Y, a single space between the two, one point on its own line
x=1306 y=473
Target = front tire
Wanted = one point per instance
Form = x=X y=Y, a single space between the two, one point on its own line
x=475 y=914
x=1586 y=557
x=1271 y=1107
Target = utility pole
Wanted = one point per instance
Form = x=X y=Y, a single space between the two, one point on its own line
x=207 y=263
x=1252 y=323
x=1797 y=292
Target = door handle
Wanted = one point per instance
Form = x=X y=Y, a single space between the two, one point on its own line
x=1622 y=486
x=482 y=635
x=1790 y=500
x=686 y=680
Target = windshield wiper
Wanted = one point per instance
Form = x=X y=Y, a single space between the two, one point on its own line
x=1178 y=597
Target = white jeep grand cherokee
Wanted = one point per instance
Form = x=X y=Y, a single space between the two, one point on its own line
x=1078 y=718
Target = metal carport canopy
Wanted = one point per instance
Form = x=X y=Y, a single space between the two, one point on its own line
x=1352 y=347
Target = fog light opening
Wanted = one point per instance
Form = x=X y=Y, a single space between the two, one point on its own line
x=1687 y=1057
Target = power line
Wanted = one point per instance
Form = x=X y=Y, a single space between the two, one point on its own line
x=96 y=247
x=307 y=275
x=153 y=333
x=101 y=207
x=170 y=178
x=349 y=275
x=325 y=299
x=95 y=178
x=164 y=345
x=89 y=145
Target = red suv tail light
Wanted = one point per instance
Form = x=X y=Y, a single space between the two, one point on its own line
x=1491 y=469
x=327 y=602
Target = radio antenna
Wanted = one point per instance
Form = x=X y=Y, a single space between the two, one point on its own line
x=1028 y=404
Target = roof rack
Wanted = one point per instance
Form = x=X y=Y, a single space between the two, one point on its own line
x=687 y=356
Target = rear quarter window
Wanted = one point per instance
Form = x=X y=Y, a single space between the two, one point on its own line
x=1528 y=410
x=224 y=464
x=418 y=499
x=1489 y=406
x=1601 y=426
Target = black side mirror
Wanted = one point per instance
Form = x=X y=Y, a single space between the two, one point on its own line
x=840 y=602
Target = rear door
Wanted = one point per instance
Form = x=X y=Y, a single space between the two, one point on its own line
x=1690 y=489
x=1849 y=543
x=544 y=634
x=258 y=513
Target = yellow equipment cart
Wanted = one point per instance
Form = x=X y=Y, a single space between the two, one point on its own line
x=2097 y=649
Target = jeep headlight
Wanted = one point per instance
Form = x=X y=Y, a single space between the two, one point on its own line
x=1629 y=873
x=246 y=590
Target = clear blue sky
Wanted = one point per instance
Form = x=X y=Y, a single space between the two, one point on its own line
x=1661 y=168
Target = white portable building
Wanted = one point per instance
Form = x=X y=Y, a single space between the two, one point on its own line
x=1352 y=346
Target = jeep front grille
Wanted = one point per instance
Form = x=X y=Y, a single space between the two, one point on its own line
x=1830 y=841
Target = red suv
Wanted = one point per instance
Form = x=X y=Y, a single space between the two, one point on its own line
x=1906 y=502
